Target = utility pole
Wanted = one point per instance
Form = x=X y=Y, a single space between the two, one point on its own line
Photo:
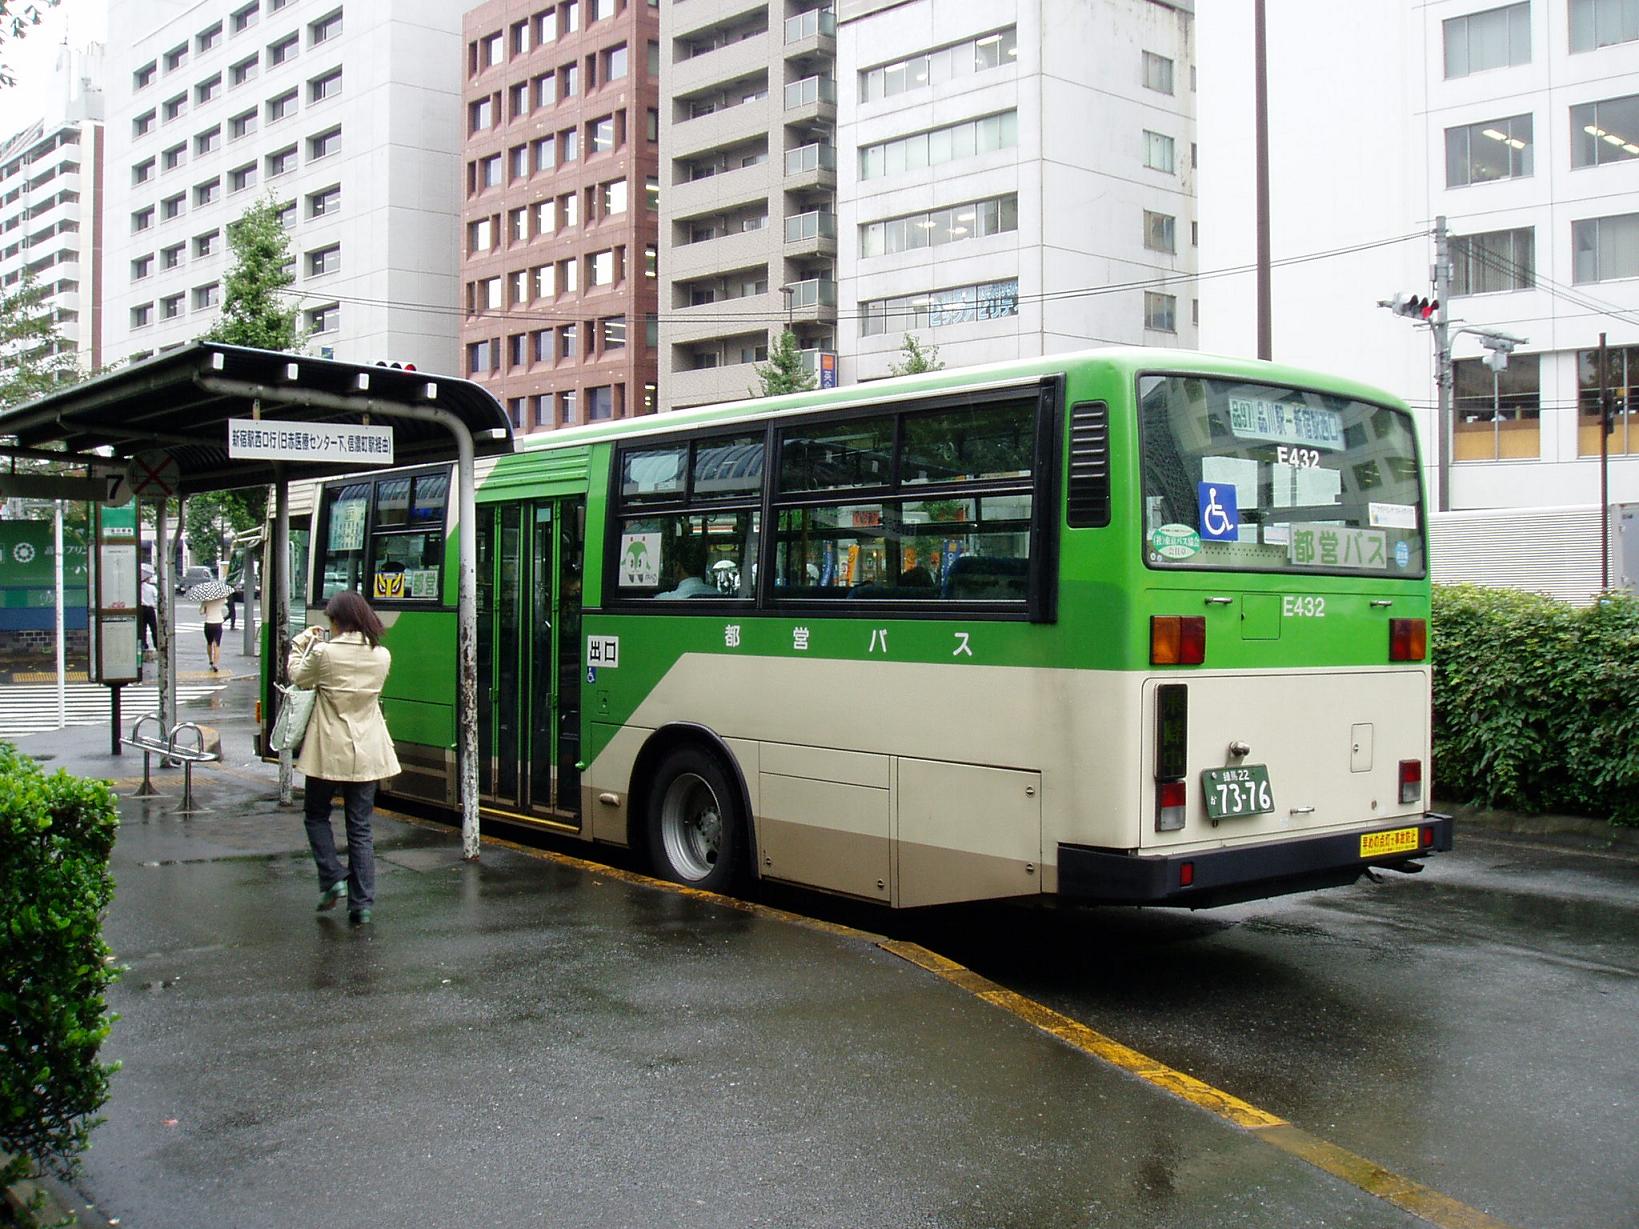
x=1442 y=357
x=1605 y=427
x=1260 y=73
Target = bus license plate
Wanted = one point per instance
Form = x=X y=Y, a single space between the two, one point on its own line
x=1400 y=840
x=1232 y=792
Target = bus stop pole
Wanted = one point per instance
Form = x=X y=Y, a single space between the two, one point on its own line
x=165 y=641
x=279 y=620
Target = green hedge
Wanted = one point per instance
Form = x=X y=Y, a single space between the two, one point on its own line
x=1536 y=703
x=55 y=836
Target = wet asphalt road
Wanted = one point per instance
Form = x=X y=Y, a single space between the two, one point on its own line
x=1475 y=1027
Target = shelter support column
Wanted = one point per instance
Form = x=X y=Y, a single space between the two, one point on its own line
x=279 y=621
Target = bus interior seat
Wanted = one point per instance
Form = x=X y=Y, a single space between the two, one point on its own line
x=995 y=578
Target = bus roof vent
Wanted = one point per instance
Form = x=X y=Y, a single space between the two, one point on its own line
x=1088 y=506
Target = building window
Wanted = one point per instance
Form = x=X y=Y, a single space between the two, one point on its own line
x=1157 y=72
x=323 y=145
x=566 y=406
x=324 y=29
x=973 y=220
x=924 y=149
x=242 y=125
x=324 y=203
x=174 y=108
x=170 y=307
x=481 y=114
x=933 y=68
x=142 y=172
x=206 y=193
x=480 y=357
x=142 y=266
x=520 y=38
x=325 y=319
x=1604 y=249
x=282 y=162
x=206 y=244
x=518 y=160
x=176 y=57
x=206 y=296
x=613 y=333
x=208 y=37
x=324 y=260
x=613 y=197
x=142 y=219
x=1495 y=261
x=615 y=63
x=242 y=177
x=171 y=257
x=286 y=216
x=1497 y=413
x=142 y=315
x=281 y=107
x=600 y=268
x=1622 y=377
x=1485 y=152
x=143 y=124
x=1160 y=232
x=327 y=86
x=144 y=76
x=1496 y=38
x=958 y=305
x=243 y=19
x=480 y=236
x=600 y=403
x=283 y=50
x=1158 y=151
x=600 y=135
x=208 y=141
x=1605 y=131
x=1602 y=23
x=1160 y=312
x=174 y=157
x=207 y=89
x=568 y=145
x=244 y=71
x=568 y=336
x=489 y=172
x=172 y=207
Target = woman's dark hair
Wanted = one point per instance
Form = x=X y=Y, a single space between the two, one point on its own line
x=348 y=612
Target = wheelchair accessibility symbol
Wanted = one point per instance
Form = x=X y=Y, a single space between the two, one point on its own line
x=1220 y=518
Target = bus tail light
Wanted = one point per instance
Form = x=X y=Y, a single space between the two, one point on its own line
x=258 y=712
x=1186 y=874
x=1169 y=806
x=1408 y=639
x=1177 y=640
x=1411 y=781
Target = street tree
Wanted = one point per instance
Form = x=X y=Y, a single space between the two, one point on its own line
x=784 y=372
x=33 y=358
x=918 y=358
x=15 y=21
x=255 y=312
x=213 y=517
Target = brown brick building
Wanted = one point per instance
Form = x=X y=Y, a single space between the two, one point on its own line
x=559 y=226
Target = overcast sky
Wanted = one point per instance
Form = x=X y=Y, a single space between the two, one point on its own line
x=31 y=58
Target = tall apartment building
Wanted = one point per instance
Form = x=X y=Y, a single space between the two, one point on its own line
x=1519 y=124
x=558 y=257
x=933 y=167
x=346 y=114
x=51 y=203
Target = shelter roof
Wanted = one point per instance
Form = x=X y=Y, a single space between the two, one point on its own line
x=180 y=401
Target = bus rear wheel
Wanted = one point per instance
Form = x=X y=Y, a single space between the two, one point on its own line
x=694 y=825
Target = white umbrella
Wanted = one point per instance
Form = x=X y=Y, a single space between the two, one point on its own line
x=208 y=591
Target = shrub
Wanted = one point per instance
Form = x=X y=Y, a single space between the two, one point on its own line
x=55 y=836
x=1536 y=703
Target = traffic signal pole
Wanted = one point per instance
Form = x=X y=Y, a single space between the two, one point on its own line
x=1442 y=359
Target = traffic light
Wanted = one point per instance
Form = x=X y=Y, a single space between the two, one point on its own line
x=397 y=366
x=1411 y=305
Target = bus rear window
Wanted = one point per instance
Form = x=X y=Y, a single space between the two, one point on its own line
x=1263 y=478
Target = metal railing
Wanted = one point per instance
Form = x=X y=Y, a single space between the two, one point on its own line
x=815 y=157
x=806 y=25
x=815 y=224
x=810 y=90
x=815 y=292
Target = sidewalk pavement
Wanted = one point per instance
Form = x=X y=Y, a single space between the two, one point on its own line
x=533 y=1040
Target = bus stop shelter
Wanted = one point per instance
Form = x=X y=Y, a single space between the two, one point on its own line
x=171 y=414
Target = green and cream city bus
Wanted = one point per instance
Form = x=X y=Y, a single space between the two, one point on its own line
x=1129 y=625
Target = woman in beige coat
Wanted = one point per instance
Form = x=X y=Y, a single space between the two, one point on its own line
x=347 y=745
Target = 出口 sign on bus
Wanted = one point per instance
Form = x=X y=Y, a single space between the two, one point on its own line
x=267 y=440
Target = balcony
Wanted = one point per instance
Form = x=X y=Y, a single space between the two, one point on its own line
x=811 y=234
x=811 y=33
x=811 y=166
x=811 y=100
x=813 y=299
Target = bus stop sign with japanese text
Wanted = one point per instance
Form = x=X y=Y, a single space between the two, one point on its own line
x=266 y=440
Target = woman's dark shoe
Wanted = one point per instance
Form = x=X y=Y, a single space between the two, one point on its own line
x=359 y=917
x=336 y=891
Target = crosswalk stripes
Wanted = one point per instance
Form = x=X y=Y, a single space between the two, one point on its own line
x=31 y=708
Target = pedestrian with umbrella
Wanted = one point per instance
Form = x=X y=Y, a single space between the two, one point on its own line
x=212 y=596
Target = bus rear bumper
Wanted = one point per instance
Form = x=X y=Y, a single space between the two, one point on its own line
x=1246 y=872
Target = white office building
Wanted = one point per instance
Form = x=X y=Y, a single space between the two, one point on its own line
x=1001 y=179
x=51 y=180
x=348 y=115
x=1014 y=179
x=1519 y=124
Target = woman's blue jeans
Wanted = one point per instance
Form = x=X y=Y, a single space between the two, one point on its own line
x=359 y=800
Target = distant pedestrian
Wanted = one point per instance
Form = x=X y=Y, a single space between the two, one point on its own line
x=347 y=746
x=233 y=609
x=150 y=608
x=213 y=612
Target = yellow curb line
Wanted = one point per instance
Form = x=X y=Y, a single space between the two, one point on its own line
x=1365 y=1175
